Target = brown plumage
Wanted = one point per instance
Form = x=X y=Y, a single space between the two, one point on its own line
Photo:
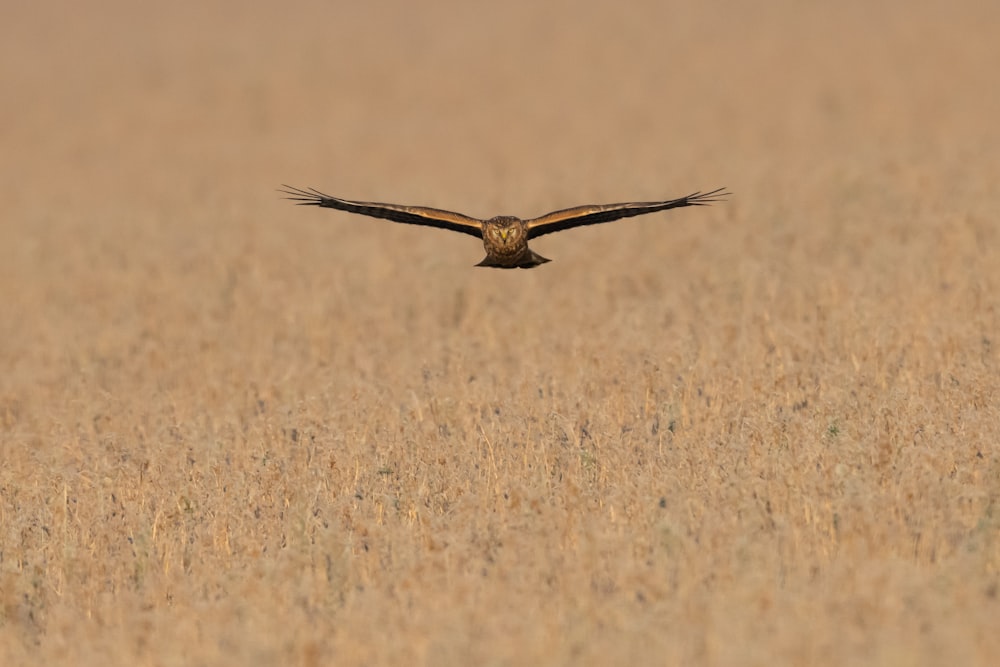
x=504 y=237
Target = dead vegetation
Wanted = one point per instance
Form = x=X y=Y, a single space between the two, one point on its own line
x=233 y=432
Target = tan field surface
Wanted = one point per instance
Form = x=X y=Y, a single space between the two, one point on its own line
x=234 y=431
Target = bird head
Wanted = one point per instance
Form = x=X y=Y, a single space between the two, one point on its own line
x=505 y=232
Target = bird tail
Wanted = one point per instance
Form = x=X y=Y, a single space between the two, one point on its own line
x=529 y=260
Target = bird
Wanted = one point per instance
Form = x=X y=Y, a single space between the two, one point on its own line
x=504 y=237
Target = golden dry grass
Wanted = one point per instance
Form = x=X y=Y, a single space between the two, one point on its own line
x=236 y=432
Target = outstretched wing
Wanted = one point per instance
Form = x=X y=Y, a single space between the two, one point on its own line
x=592 y=215
x=414 y=215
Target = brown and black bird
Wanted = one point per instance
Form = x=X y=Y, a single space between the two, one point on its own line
x=504 y=237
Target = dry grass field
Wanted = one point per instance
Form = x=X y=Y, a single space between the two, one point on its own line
x=237 y=432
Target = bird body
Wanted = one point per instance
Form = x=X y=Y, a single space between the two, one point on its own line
x=505 y=238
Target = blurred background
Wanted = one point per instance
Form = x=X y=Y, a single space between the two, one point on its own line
x=699 y=431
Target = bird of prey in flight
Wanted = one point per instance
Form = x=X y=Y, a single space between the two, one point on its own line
x=504 y=237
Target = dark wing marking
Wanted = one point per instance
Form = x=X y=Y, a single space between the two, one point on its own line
x=592 y=215
x=414 y=215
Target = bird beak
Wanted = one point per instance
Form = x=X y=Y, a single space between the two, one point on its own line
x=504 y=233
